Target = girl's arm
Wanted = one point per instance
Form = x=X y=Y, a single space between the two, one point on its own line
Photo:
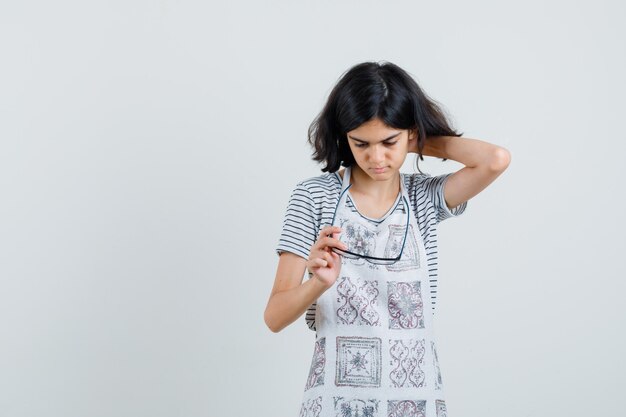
x=290 y=297
x=484 y=162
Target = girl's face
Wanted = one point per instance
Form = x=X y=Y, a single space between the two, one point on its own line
x=375 y=145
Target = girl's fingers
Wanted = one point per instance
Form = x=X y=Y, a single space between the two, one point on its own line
x=328 y=231
x=323 y=260
x=327 y=257
x=322 y=254
x=334 y=242
x=329 y=240
x=318 y=262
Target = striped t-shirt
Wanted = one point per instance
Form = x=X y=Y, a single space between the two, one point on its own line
x=312 y=204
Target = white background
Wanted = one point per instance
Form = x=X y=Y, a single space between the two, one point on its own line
x=148 y=150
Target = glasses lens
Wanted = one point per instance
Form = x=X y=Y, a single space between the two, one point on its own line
x=393 y=248
x=361 y=243
x=361 y=239
x=382 y=261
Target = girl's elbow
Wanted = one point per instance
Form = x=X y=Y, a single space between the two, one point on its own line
x=270 y=323
x=501 y=159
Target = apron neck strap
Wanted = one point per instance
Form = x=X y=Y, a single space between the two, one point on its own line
x=345 y=183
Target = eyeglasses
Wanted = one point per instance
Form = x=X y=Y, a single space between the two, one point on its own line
x=390 y=245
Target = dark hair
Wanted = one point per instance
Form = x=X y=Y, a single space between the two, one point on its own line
x=373 y=90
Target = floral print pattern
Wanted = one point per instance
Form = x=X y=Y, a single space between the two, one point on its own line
x=407 y=363
x=358 y=361
x=357 y=302
x=316 y=372
x=406 y=308
x=406 y=408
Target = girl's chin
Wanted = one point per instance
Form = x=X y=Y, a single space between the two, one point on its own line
x=379 y=174
x=382 y=175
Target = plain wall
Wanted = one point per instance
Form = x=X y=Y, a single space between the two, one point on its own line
x=148 y=151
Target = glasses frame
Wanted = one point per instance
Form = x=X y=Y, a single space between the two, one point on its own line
x=366 y=257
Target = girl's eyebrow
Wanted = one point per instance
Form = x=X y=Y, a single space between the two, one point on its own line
x=364 y=141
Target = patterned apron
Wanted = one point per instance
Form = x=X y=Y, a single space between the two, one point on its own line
x=374 y=353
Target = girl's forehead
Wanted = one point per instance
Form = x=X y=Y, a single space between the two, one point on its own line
x=374 y=131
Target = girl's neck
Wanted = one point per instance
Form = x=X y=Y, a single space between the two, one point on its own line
x=380 y=190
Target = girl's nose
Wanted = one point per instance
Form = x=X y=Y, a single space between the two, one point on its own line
x=377 y=155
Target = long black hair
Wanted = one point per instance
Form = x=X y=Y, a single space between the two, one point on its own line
x=373 y=90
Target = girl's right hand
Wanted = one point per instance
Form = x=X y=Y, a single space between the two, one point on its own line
x=323 y=263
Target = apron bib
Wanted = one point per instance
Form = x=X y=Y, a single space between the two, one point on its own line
x=374 y=353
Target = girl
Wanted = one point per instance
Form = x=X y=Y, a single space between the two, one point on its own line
x=367 y=236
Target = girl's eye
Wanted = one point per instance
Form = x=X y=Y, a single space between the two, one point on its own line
x=362 y=145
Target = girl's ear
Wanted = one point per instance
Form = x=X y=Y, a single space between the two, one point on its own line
x=412 y=134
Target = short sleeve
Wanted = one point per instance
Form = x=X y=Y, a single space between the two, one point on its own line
x=300 y=223
x=433 y=187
